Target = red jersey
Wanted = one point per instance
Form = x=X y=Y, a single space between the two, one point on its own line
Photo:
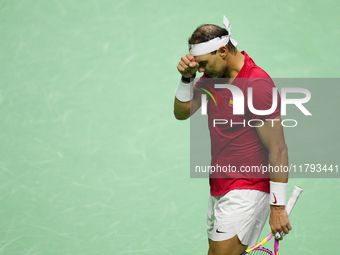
x=236 y=144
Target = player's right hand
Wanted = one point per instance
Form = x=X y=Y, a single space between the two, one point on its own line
x=187 y=66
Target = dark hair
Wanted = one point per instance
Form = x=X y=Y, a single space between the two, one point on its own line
x=208 y=32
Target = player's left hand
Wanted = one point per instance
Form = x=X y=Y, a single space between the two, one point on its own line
x=278 y=221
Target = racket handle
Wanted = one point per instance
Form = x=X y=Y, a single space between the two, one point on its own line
x=276 y=247
x=293 y=198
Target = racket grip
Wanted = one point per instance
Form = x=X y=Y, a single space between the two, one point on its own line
x=293 y=198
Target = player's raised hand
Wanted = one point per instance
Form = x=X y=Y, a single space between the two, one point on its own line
x=187 y=66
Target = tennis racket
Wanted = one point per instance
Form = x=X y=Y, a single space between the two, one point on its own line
x=257 y=249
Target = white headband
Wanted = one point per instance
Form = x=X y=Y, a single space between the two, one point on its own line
x=214 y=44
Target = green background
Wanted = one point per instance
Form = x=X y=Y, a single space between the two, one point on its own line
x=92 y=160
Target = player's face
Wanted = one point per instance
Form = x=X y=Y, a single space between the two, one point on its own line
x=211 y=64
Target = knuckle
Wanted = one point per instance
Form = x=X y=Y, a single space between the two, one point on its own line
x=190 y=57
x=184 y=66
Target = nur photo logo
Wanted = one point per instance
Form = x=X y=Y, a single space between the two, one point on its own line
x=237 y=102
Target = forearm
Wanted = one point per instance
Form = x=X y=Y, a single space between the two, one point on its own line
x=181 y=109
x=273 y=139
x=278 y=190
x=278 y=160
x=183 y=97
x=278 y=187
x=186 y=102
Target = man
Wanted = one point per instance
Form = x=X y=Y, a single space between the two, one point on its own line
x=239 y=204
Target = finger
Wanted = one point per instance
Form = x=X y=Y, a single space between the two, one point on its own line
x=277 y=232
x=180 y=68
x=190 y=57
x=185 y=66
x=289 y=227
x=285 y=230
x=193 y=64
x=185 y=60
x=277 y=236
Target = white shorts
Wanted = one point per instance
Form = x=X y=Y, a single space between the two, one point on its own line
x=239 y=212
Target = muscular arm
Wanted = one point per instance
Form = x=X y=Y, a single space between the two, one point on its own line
x=271 y=135
x=187 y=67
x=184 y=110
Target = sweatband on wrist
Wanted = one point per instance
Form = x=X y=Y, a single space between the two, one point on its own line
x=278 y=193
x=185 y=91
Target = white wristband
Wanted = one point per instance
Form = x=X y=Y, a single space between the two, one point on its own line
x=278 y=193
x=185 y=91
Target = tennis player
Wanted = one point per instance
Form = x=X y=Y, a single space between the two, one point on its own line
x=238 y=205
